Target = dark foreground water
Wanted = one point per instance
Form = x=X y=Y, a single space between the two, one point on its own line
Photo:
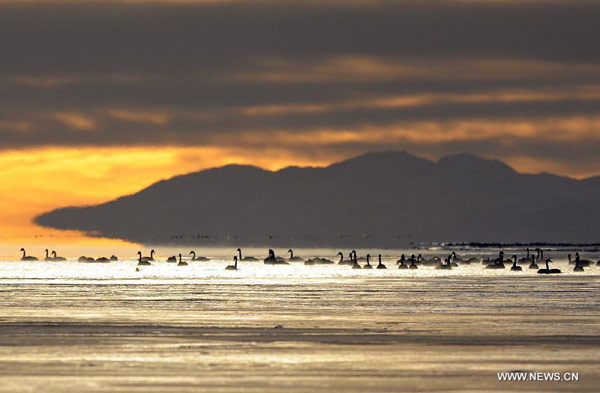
x=68 y=326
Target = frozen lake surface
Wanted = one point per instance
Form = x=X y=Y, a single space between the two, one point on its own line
x=69 y=326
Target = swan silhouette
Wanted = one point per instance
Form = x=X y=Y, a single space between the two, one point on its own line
x=195 y=258
x=454 y=259
x=413 y=262
x=57 y=258
x=142 y=261
x=181 y=263
x=433 y=261
x=113 y=258
x=172 y=258
x=26 y=257
x=547 y=270
x=533 y=264
x=273 y=260
x=368 y=265
x=234 y=266
x=83 y=258
x=355 y=265
x=498 y=263
x=401 y=261
x=319 y=261
x=343 y=261
x=447 y=265
x=515 y=267
x=380 y=265
x=102 y=260
x=245 y=259
x=293 y=258
x=150 y=258
x=578 y=265
x=527 y=259
x=579 y=261
x=48 y=258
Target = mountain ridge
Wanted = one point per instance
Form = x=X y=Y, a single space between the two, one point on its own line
x=383 y=199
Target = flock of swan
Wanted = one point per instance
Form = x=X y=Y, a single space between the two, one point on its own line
x=404 y=262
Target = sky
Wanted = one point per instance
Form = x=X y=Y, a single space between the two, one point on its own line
x=102 y=98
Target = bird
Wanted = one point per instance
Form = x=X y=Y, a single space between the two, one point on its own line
x=150 y=258
x=401 y=261
x=447 y=265
x=293 y=258
x=433 y=261
x=355 y=265
x=273 y=260
x=181 y=263
x=142 y=261
x=527 y=259
x=234 y=266
x=318 y=261
x=473 y=260
x=83 y=258
x=368 y=265
x=172 y=258
x=195 y=258
x=343 y=261
x=413 y=262
x=498 y=263
x=48 y=258
x=57 y=258
x=515 y=267
x=102 y=260
x=533 y=264
x=547 y=270
x=380 y=265
x=113 y=258
x=245 y=259
x=454 y=259
x=578 y=260
x=27 y=257
x=578 y=265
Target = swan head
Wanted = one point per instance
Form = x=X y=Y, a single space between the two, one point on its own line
x=239 y=250
x=340 y=254
x=290 y=251
x=139 y=253
x=22 y=249
x=514 y=257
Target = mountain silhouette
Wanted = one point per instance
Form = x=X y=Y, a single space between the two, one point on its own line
x=387 y=199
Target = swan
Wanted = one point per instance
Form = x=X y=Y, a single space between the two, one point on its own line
x=547 y=270
x=172 y=258
x=447 y=265
x=515 y=267
x=113 y=258
x=578 y=266
x=526 y=259
x=195 y=258
x=48 y=258
x=245 y=259
x=150 y=258
x=498 y=262
x=368 y=265
x=380 y=265
x=142 y=261
x=413 y=262
x=273 y=260
x=181 y=263
x=401 y=261
x=234 y=266
x=83 y=258
x=454 y=259
x=293 y=258
x=533 y=264
x=578 y=260
x=355 y=265
x=434 y=261
x=56 y=258
x=27 y=257
x=318 y=261
x=102 y=260
x=343 y=261
x=473 y=260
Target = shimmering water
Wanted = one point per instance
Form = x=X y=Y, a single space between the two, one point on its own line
x=70 y=326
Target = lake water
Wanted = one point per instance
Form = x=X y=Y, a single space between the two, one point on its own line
x=70 y=326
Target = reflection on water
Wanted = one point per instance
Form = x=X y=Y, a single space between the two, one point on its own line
x=106 y=327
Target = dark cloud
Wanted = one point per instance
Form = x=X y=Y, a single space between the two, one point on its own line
x=148 y=74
